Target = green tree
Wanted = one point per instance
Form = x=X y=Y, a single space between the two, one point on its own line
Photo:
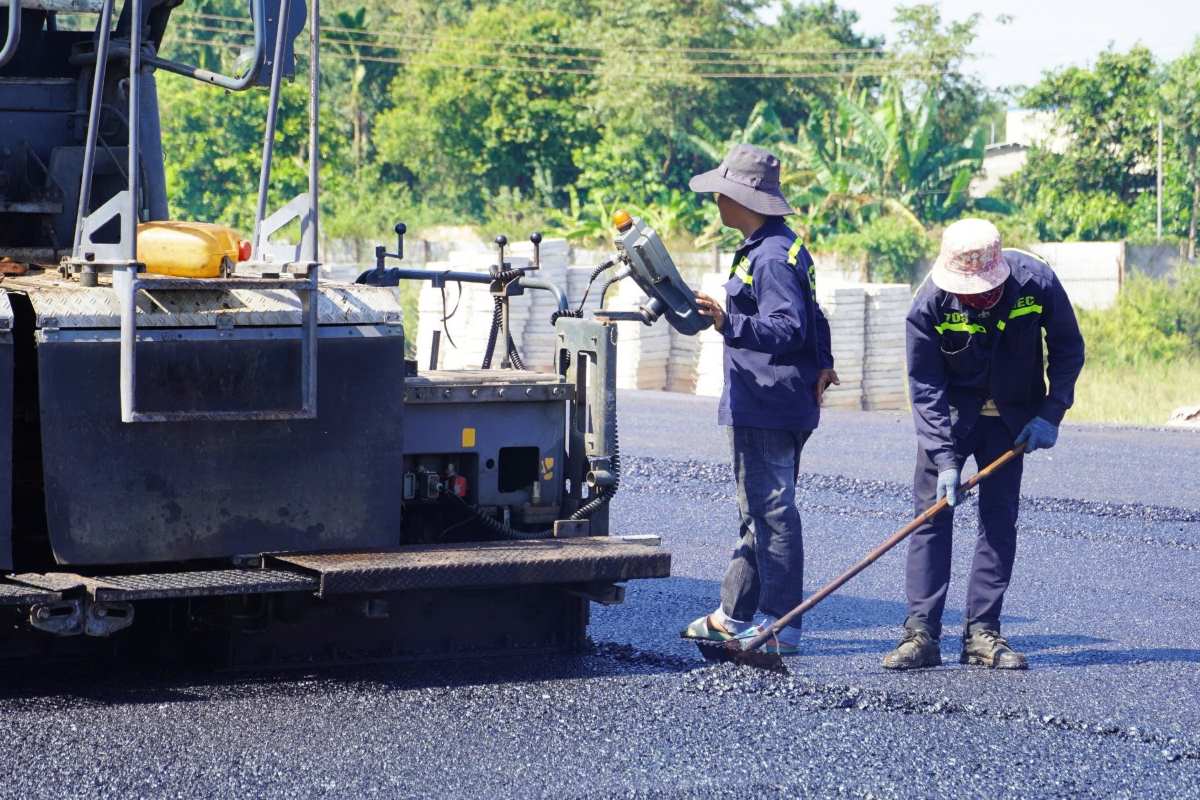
x=1181 y=106
x=212 y=144
x=1106 y=120
x=1107 y=113
x=471 y=115
x=867 y=157
x=649 y=93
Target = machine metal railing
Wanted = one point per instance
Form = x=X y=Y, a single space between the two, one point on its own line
x=13 y=37
x=271 y=266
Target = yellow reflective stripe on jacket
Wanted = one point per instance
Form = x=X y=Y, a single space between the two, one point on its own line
x=960 y=327
x=740 y=271
x=1023 y=311
x=793 y=259
x=794 y=252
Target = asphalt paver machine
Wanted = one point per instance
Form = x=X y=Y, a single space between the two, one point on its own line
x=234 y=455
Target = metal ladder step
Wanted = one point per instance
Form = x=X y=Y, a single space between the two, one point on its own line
x=591 y=559
x=166 y=585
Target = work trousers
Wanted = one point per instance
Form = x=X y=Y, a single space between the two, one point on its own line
x=928 y=570
x=766 y=572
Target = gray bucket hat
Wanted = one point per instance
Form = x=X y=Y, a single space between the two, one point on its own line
x=750 y=176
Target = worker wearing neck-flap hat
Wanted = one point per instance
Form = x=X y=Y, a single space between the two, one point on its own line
x=977 y=381
x=777 y=367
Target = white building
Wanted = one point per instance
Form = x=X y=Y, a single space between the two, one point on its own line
x=1024 y=128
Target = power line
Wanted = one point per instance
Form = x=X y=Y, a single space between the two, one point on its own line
x=872 y=69
x=557 y=70
x=820 y=57
x=619 y=47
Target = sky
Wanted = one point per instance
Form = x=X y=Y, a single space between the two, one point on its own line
x=1045 y=34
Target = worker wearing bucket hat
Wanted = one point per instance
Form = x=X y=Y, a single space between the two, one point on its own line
x=777 y=367
x=975 y=370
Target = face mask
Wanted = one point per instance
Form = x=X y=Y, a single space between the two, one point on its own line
x=982 y=301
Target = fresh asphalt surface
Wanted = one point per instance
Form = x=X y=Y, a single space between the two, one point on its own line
x=1103 y=601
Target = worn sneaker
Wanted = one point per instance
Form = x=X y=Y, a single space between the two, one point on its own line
x=916 y=650
x=987 y=648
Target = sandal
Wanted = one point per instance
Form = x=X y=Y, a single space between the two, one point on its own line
x=701 y=629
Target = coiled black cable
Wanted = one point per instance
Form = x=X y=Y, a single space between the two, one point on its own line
x=493 y=333
x=498 y=322
x=494 y=525
x=605 y=495
x=608 y=285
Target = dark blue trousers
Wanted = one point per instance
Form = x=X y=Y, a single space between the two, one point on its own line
x=766 y=572
x=928 y=570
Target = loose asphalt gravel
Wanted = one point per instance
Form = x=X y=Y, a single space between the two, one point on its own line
x=1103 y=601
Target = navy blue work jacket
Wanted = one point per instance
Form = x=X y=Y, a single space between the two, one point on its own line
x=776 y=338
x=959 y=357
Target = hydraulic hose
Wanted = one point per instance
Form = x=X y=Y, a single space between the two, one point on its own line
x=606 y=494
x=578 y=313
x=493 y=332
x=498 y=322
x=495 y=525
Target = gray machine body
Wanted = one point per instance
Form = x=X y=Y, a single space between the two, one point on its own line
x=44 y=95
x=509 y=428
x=169 y=492
x=6 y=415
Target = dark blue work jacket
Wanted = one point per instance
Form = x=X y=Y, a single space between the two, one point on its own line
x=776 y=338
x=959 y=357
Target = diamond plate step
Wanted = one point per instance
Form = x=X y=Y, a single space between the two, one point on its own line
x=14 y=595
x=441 y=566
x=164 y=585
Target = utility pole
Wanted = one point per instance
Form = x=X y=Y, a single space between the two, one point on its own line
x=1159 y=179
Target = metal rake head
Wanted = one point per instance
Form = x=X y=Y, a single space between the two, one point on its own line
x=731 y=652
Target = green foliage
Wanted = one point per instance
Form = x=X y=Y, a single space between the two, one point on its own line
x=585 y=221
x=519 y=115
x=1152 y=321
x=1108 y=114
x=213 y=146
x=1181 y=107
x=1098 y=182
x=890 y=246
x=460 y=136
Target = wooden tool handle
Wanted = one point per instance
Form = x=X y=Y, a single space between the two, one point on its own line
x=873 y=556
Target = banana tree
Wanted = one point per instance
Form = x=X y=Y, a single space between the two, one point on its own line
x=762 y=127
x=860 y=158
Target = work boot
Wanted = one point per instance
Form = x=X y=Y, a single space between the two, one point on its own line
x=916 y=650
x=984 y=647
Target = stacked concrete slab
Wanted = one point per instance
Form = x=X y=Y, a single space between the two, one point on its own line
x=710 y=356
x=537 y=339
x=885 y=379
x=464 y=316
x=681 y=368
x=642 y=350
x=845 y=309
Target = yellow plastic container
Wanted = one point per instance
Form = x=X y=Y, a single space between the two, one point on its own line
x=188 y=249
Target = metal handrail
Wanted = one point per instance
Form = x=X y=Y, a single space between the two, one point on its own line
x=306 y=289
x=93 y=129
x=14 y=32
x=245 y=81
x=127 y=284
